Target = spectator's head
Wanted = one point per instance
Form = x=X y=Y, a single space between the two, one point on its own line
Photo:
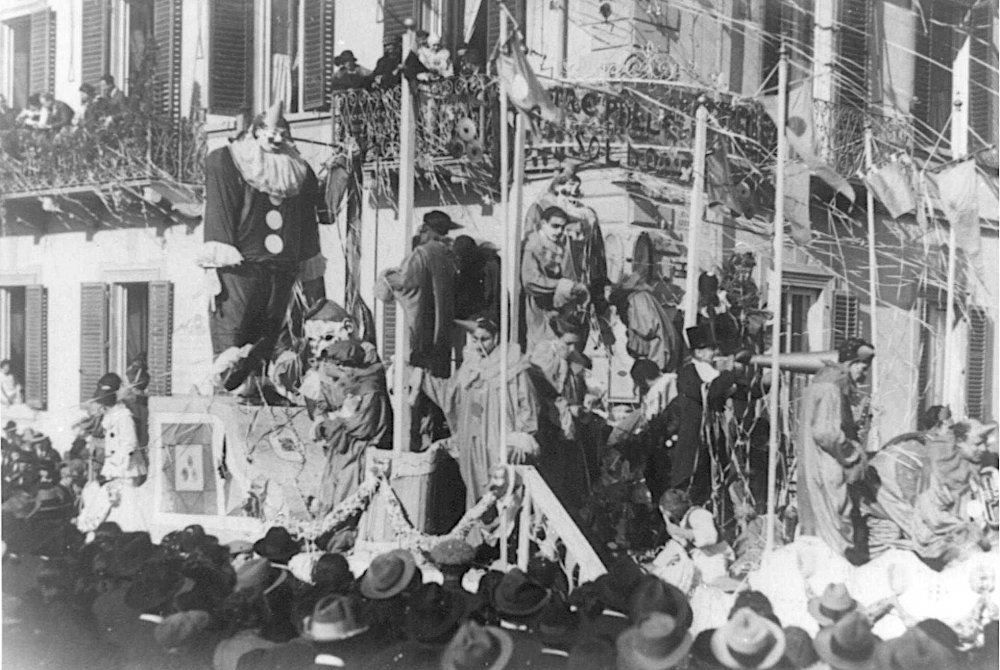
x=674 y=504
x=87 y=93
x=472 y=61
x=437 y=225
x=566 y=328
x=392 y=46
x=107 y=84
x=702 y=342
x=554 y=220
x=106 y=393
x=434 y=42
x=567 y=185
x=857 y=355
x=34 y=101
x=971 y=438
x=340 y=356
x=422 y=38
x=5 y=367
x=47 y=100
x=936 y=419
x=346 y=60
x=485 y=334
x=271 y=130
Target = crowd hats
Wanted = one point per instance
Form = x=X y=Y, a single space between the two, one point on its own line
x=132 y=551
x=435 y=613
x=153 y=587
x=558 y=626
x=657 y=643
x=701 y=337
x=591 y=653
x=652 y=594
x=180 y=629
x=332 y=570
x=346 y=56
x=388 y=575
x=748 y=640
x=252 y=574
x=440 y=222
x=276 y=545
x=834 y=604
x=756 y=601
x=799 y=650
x=480 y=647
x=929 y=644
x=335 y=617
x=519 y=596
x=616 y=585
x=849 y=644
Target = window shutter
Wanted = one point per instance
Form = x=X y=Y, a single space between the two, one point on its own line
x=93 y=336
x=982 y=80
x=388 y=330
x=317 y=53
x=230 y=68
x=167 y=17
x=977 y=365
x=36 y=347
x=43 y=51
x=852 y=49
x=161 y=319
x=95 y=28
x=845 y=317
x=394 y=12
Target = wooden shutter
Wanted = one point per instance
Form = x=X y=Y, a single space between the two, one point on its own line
x=845 y=317
x=230 y=64
x=317 y=53
x=982 y=79
x=93 y=336
x=161 y=320
x=95 y=29
x=388 y=330
x=43 y=51
x=36 y=347
x=977 y=371
x=852 y=51
x=167 y=22
x=394 y=12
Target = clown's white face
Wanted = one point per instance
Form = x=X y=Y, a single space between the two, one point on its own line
x=321 y=333
x=270 y=139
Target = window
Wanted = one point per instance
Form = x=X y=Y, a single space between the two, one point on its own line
x=31 y=54
x=793 y=21
x=797 y=306
x=853 y=76
x=845 y=318
x=230 y=64
x=24 y=339
x=978 y=368
x=122 y=323
x=932 y=99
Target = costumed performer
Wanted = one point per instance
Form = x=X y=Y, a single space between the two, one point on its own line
x=125 y=466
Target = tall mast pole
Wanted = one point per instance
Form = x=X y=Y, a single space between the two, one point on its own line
x=696 y=214
x=774 y=298
x=873 y=436
x=505 y=255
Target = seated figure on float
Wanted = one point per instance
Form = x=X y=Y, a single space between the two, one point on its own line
x=927 y=492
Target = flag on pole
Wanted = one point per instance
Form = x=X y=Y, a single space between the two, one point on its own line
x=521 y=84
x=718 y=177
x=892 y=185
x=957 y=187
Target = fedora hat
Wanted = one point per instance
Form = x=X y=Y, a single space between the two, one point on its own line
x=799 y=650
x=652 y=594
x=480 y=647
x=332 y=570
x=591 y=653
x=388 y=575
x=748 y=640
x=276 y=545
x=252 y=574
x=440 y=222
x=335 y=617
x=916 y=649
x=849 y=644
x=655 y=644
x=616 y=585
x=558 y=626
x=435 y=613
x=517 y=595
x=31 y=436
x=832 y=605
x=345 y=56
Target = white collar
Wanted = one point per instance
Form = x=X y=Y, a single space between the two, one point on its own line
x=705 y=370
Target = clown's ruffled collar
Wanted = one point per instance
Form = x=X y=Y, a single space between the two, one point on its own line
x=279 y=174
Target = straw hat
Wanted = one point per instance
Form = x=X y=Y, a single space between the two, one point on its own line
x=849 y=644
x=835 y=603
x=657 y=643
x=748 y=640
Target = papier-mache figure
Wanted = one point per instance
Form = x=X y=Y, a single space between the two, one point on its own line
x=262 y=206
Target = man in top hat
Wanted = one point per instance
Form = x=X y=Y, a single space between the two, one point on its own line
x=830 y=453
x=262 y=207
x=389 y=66
x=349 y=74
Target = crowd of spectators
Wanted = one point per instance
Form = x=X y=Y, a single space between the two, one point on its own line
x=428 y=61
x=99 y=107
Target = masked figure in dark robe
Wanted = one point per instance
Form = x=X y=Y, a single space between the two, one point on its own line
x=651 y=333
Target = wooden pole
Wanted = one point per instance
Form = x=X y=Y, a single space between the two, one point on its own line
x=407 y=154
x=696 y=214
x=506 y=260
x=873 y=438
x=774 y=299
x=516 y=226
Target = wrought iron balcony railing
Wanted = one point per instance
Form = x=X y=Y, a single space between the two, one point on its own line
x=840 y=134
x=130 y=151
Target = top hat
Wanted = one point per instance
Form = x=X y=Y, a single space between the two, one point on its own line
x=517 y=595
x=848 y=644
x=657 y=643
x=276 y=545
x=834 y=604
x=388 y=575
x=748 y=640
x=440 y=222
x=335 y=617
x=701 y=337
x=481 y=647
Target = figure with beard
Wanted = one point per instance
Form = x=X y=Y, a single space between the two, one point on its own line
x=362 y=420
x=262 y=206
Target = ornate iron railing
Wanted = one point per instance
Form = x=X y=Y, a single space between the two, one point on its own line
x=840 y=134
x=38 y=162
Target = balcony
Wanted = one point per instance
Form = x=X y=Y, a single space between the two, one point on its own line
x=840 y=132
x=134 y=152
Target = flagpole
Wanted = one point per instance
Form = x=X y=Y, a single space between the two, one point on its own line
x=515 y=226
x=407 y=154
x=774 y=299
x=505 y=263
x=695 y=215
x=873 y=438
